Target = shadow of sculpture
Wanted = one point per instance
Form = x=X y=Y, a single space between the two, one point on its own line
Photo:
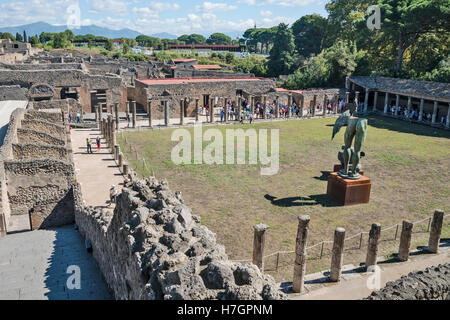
x=313 y=200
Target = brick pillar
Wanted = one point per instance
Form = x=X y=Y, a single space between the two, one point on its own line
x=405 y=241
x=258 y=245
x=166 y=113
x=435 y=231
x=386 y=102
x=127 y=111
x=435 y=109
x=196 y=109
x=397 y=103
x=337 y=257
x=182 y=112
x=134 y=113
x=149 y=112
x=300 y=254
x=372 y=248
x=116 y=110
x=375 y=101
x=421 y=109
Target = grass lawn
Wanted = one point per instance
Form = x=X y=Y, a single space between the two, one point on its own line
x=407 y=163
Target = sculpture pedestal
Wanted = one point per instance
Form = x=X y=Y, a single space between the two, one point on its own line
x=338 y=167
x=348 y=192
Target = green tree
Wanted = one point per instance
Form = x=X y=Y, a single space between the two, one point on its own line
x=7 y=35
x=109 y=46
x=192 y=39
x=25 y=38
x=126 y=48
x=219 y=38
x=282 y=54
x=310 y=33
x=34 y=40
x=19 y=37
x=60 y=40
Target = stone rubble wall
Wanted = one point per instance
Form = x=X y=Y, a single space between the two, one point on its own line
x=430 y=284
x=52 y=129
x=39 y=151
x=32 y=136
x=153 y=247
x=12 y=93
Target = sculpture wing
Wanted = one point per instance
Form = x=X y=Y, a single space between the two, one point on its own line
x=341 y=122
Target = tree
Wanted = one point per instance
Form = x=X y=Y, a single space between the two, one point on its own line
x=34 y=40
x=69 y=35
x=219 y=38
x=7 y=35
x=405 y=21
x=19 y=37
x=282 y=54
x=126 y=48
x=109 y=45
x=310 y=34
x=25 y=38
x=45 y=37
x=60 y=40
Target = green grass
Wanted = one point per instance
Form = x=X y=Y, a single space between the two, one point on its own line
x=408 y=165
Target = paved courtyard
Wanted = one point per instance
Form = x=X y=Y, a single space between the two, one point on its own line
x=34 y=265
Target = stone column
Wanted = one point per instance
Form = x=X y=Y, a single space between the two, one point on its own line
x=239 y=108
x=405 y=241
x=409 y=105
x=313 y=113
x=125 y=169
x=264 y=107
x=347 y=97
x=366 y=101
x=166 y=113
x=435 y=231
x=116 y=152
x=435 y=108
x=211 y=110
x=134 y=113
x=100 y=110
x=302 y=105
x=149 y=112
x=347 y=83
x=422 y=101
x=357 y=100
x=127 y=111
x=386 y=103
x=375 y=101
x=277 y=107
x=337 y=257
x=397 y=102
x=447 y=123
x=289 y=105
x=253 y=105
x=372 y=248
x=258 y=245
x=300 y=254
x=182 y=112
x=225 y=109
x=96 y=114
x=196 y=109
x=325 y=105
x=120 y=160
x=116 y=110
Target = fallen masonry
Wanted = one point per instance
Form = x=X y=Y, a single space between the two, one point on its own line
x=430 y=284
x=155 y=248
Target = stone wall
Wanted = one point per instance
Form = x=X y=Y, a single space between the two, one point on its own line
x=155 y=248
x=36 y=151
x=430 y=284
x=12 y=93
x=32 y=136
x=55 y=130
x=189 y=73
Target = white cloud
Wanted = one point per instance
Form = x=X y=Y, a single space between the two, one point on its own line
x=296 y=3
x=147 y=12
x=212 y=7
x=116 y=6
x=164 y=6
x=265 y=13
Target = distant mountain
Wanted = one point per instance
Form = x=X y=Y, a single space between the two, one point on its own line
x=39 y=27
x=164 y=35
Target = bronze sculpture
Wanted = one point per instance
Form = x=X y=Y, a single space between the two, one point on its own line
x=351 y=156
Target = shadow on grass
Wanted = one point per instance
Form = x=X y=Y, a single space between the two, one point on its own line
x=324 y=176
x=313 y=200
x=407 y=127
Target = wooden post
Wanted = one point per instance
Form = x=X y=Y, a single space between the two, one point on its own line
x=337 y=257
x=372 y=248
x=405 y=241
x=300 y=254
x=258 y=245
x=120 y=160
x=435 y=232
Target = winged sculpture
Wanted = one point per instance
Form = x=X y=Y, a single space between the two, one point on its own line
x=356 y=130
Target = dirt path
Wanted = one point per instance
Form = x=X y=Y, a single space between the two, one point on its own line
x=354 y=285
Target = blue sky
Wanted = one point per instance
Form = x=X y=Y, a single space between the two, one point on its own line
x=149 y=17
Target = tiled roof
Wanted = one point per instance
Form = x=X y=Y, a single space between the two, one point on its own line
x=405 y=86
x=207 y=67
x=194 y=80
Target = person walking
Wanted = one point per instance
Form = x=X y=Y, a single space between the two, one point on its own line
x=88 y=145
x=128 y=120
x=98 y=141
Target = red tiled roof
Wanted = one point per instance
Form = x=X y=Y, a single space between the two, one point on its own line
x=183 y=60
x=194 y=80
x=203 y=46
x=207 y=67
